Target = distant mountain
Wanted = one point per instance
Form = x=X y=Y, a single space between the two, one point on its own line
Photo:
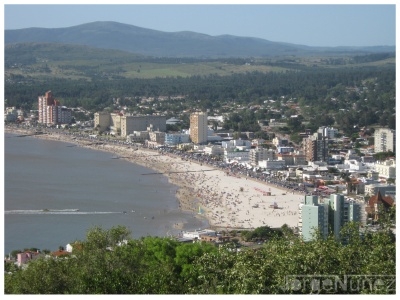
x=113 y=35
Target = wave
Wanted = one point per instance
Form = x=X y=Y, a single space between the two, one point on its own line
x=56 y=212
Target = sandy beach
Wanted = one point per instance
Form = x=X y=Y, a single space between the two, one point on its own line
x=227 y=201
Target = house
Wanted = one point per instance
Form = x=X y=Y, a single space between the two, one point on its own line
x=26 y=256
x=60 y=253
x=376 y=203
x=75 y=245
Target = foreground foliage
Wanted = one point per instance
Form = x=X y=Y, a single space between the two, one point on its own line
x=108 y=262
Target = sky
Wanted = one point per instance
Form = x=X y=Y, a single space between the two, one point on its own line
x=308 y=23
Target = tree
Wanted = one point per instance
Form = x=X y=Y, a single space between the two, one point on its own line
x=187 y=254
x=153 y=265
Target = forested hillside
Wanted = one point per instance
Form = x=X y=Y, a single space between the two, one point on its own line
x=125 y=37
x=326 y=96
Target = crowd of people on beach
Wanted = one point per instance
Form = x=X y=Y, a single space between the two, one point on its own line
x=228 y=195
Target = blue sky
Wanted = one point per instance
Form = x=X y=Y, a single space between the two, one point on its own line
x=360 y=24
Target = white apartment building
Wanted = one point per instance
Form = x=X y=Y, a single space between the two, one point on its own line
x=328 y=132
x=386 y=169
x=259 y=154
x=385 y=140
x=272 y=164
x=214 y=150
x=236 y=143
x=236 y=155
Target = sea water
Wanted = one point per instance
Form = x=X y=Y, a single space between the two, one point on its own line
x=55 y=192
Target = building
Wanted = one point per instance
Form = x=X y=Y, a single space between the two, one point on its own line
x=214 y=150
x=328 y=132
x=102 y=120
x=26 y=256
x=272 y=164
x=386 y=169
x=372 y=189
x=43 y=103
x=276 y=141
x=138 y=137
x=316 y=147
x=385 y=140
x=341 y=211
x=198 y=127
x=10 y=114
x=238 y=155
x=125 y=125
x=258 y=154
x=292 y=159
x=115 y=122
x=157 y=137
x=312 y=217
x=130 y=124
x=50 y=112
x=373 y=175
x=377 y=203
x=284 y=149
x=172 y=139
x=328 y=215
x=239 y=143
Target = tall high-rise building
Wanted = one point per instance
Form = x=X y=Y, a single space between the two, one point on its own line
x=51 y=112
x=313 y=216
x=329 y=216
x=384 y=140
x=316 y=147
x=198 y=127
x=341 y=211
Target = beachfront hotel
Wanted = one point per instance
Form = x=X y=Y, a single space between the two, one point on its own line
x=198 y=127
x=128 y=124
x=51 y=112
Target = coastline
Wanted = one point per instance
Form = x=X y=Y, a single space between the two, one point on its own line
x=227 y=202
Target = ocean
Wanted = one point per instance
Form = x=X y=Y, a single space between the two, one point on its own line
x=54 y=193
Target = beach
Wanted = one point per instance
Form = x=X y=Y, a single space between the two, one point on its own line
x=227 y=201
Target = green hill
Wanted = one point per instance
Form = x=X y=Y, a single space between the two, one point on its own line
x=113 y=35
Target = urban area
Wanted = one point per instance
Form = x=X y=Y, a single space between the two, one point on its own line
x=339 y=178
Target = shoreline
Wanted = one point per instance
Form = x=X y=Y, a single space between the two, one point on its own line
x=227 y=202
